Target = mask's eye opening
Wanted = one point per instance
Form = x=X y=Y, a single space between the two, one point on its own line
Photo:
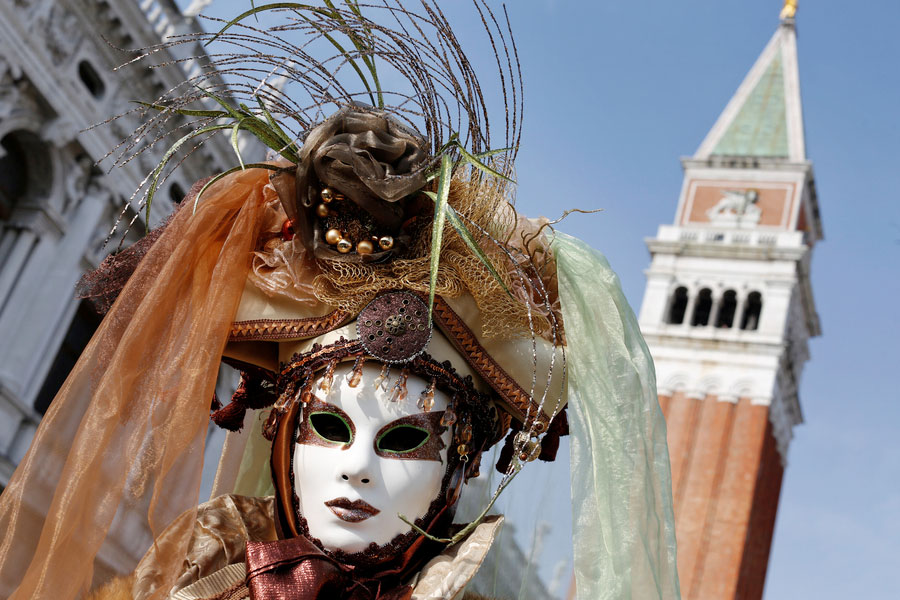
x=331 y=427
x=402 y=439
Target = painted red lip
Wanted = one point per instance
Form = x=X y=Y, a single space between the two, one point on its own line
x=351 y=511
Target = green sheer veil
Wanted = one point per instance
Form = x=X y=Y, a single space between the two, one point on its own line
x=622 y=517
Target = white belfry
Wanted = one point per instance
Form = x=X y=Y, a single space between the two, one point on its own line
x=728 y=308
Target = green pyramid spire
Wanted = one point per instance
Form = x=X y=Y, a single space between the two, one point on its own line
x=764 y=118
x=760 y=127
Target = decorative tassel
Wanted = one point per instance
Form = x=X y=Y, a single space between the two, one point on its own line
x=256 y=390
x=231 y=417
x=504 y=461
x=559 y=427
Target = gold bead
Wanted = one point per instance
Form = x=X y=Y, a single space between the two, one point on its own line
x=386 y=242
x=462 y=449
x=327 y=195
x=332 y=236
x=364 y=247
x=344 y=245
x=322 y=210
x=530 y=451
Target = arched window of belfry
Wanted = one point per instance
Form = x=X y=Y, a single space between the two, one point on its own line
x=727 y=306
x=702 y=308
x=750 y=318
x=677 y=306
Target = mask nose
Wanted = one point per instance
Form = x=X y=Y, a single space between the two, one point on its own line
x=362 y=480
x=356 y=465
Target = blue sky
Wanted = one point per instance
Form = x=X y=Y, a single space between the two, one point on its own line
x=615 y=93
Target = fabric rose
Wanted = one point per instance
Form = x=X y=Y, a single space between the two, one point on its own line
x=371 y=160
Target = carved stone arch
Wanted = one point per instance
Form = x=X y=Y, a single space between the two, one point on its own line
x=711 y=385
x=24 y=116
x=677 y=382
x=743 y=388
x=29 y=169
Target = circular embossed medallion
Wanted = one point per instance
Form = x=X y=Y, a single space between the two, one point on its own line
x=394 y=327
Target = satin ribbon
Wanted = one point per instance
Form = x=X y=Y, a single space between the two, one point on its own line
x=295 y=569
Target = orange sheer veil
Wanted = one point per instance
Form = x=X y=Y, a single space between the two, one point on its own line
x=121 y=446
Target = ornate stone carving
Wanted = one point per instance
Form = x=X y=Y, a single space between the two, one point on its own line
x=736 y=208
x=80 y=181
x=9 y=92
x=61 y=32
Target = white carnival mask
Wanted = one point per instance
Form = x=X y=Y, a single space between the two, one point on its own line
x=362 y=459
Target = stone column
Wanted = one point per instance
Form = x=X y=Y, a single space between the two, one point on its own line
x=689 y=309
x=716 y=306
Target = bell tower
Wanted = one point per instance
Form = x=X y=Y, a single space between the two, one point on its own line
x=727 y=313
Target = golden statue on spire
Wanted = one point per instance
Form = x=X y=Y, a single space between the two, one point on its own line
x=789 y=9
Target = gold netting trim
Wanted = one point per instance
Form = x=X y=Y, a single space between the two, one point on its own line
x=514 y=245
x=486 y=204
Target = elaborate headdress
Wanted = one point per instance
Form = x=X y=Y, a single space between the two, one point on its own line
x=385 y=230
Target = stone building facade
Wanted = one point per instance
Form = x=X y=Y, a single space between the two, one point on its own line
x=727 y=313
x=57 y=206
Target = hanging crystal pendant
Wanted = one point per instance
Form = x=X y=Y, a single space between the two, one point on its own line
x=382 y=377
x=426 y=398
x=307 y=394
x=355 y=376
x=465 y=434
x=449 y=417
x=398 y=394
x=328 y=378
